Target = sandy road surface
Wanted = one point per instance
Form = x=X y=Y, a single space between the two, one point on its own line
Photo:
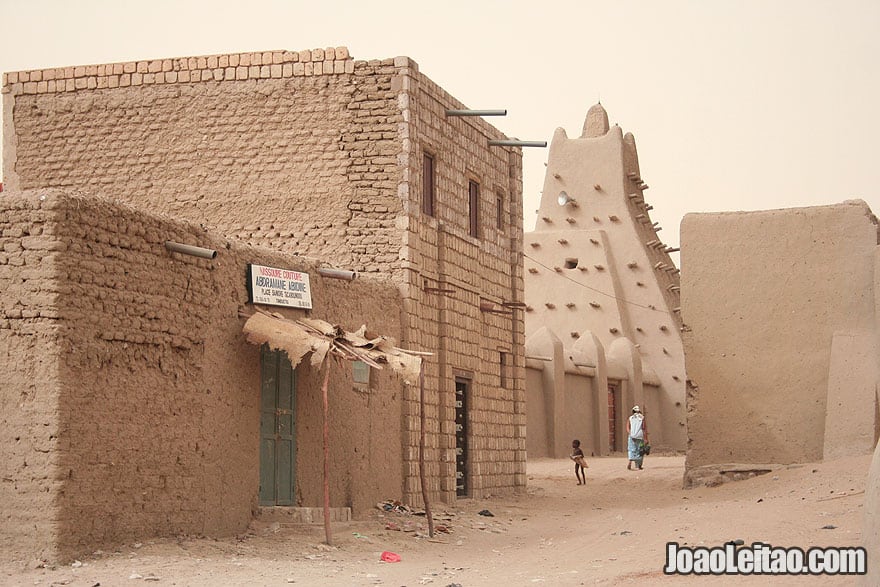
x=612 y=531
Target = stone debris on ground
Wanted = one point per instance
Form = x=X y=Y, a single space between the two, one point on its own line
x=401 y=519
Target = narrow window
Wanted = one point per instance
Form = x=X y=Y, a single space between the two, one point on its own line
x=428 y=184
x=474 y=208
x=504 y=360
x=499 y=212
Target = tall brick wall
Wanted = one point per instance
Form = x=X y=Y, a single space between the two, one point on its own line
x=156 y=399
x=291 y=151
x=449 y=275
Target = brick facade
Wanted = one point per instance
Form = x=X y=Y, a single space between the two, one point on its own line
x=305 y=155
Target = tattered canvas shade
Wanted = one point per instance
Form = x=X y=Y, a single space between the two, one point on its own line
x=308 y=335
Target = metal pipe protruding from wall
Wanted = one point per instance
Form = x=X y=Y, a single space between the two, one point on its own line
x=451 y=112
x=337 y=273
x=516 y=143
x=191 y=250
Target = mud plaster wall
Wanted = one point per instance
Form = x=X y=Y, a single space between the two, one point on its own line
x=871 y=530
x=581 y=411
x=157 y=397
x=29 y=420
x=577 y=416
x=537 y=440
x=600 y=266
x=764 y=293
x=232 y=142
x=317 y=154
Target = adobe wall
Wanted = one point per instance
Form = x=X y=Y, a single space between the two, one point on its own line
x=578 y=418
x=319 y=155
x=156 y=401
x=456 y=285
x=294 y=151
x=538 y=443
x=29 y=388
x=567 y=391
x=765 y=296
x=871 y=528
x=598 y=264
x=582 y=413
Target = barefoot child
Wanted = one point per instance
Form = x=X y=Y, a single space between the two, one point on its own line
x=577 y=455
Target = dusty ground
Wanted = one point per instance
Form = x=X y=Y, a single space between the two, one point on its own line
x=611 y=531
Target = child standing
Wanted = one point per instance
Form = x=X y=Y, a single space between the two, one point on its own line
x=577 y=455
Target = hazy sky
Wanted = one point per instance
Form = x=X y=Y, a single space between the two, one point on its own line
x=736 y=105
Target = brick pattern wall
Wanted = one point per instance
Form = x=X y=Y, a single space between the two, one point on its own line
x=450 y=274
x=321 y=162
x=151 y=426
x=291 y=151
x=29 y=423
x=230 y=67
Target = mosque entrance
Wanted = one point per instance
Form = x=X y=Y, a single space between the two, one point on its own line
x=613 y=403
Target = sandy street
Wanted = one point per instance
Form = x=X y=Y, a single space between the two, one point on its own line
x=613 y=531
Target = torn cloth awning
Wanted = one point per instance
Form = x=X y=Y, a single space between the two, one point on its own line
x=308 y=335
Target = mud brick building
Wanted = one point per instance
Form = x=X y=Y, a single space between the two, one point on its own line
x=782 y=346
x=311 y=158
x=602 y=320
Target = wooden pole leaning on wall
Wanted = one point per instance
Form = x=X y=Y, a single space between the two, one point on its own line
x=326 y=409
x=422 y=420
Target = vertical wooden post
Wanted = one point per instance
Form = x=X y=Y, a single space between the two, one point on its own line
x=422 y=449
x=327 y=532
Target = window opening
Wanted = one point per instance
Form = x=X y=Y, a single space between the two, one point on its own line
x=474 y=208
x=428 y=184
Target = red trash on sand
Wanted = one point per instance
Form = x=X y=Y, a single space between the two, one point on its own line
x=390 y=557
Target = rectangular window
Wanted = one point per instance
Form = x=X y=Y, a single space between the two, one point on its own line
x=428 y=184
x=360 y=373
x=504 y=361
x=474 y=208
x=499 y=212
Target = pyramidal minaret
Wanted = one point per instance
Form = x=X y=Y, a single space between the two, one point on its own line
x=597 y=274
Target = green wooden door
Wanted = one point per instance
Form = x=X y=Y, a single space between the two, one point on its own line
x=277 y=434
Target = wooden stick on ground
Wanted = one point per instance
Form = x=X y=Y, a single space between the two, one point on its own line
x=327 y=532
x=422 y=450
x=841 y=495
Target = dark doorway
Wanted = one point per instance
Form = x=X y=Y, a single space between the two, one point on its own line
x=462 y=388
x=613 y=401
x=277 y=434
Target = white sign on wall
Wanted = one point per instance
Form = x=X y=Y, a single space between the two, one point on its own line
x=279 y=287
